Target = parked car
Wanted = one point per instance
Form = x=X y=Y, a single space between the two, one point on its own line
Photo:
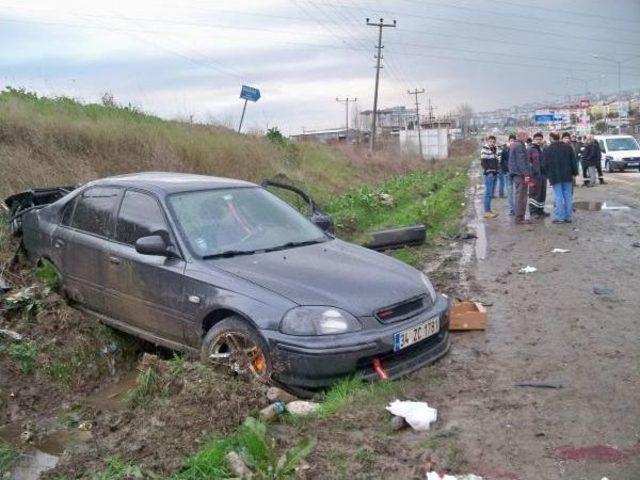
x=227 y=270
x=619 y=152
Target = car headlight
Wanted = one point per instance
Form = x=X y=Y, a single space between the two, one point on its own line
x=318 y=321
x=430 y=289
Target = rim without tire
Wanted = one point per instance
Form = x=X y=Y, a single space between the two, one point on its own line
x=236 y=352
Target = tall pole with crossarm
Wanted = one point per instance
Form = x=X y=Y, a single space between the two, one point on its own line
x=346 y=104
x=417 y=92
x=380 y=26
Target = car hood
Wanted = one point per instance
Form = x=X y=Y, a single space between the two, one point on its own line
x=332 y=273
x=620 y=154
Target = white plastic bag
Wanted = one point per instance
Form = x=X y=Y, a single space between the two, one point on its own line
x=419 y=415
x=436 y=476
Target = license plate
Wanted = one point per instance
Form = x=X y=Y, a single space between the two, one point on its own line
x=633 y=164
x=415 y=334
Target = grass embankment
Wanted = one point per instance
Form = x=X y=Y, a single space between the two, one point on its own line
x=46 y=142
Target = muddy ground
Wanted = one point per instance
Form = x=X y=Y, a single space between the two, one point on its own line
x=544 y=326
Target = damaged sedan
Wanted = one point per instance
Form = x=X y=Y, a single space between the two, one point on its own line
x=225 y=269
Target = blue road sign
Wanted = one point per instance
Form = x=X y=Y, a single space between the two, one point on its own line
x=547 y=118
x=250 y=93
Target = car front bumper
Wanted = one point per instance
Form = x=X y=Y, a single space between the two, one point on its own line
x=316 y=362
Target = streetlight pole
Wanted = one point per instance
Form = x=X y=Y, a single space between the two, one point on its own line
x=619 y=64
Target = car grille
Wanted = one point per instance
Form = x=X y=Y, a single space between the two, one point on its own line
x=632 y=159
x=403 y=310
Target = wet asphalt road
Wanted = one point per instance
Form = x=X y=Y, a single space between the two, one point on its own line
x=550 y=326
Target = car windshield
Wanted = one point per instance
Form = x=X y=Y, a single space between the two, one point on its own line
x=235 y=221
x=619 y=144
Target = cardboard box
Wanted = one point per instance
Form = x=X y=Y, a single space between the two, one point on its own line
x=468 y=316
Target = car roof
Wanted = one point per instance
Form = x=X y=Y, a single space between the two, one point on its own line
x=171 y=182
x=607 y=137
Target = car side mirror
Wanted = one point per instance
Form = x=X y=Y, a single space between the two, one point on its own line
x=324 y=221
x=152 y=245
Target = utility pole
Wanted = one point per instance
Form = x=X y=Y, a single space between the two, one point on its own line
x=378 y=57
x=416 y=92
x=346 y=103
x=431 y=109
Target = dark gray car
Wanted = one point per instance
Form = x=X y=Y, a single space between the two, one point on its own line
x=226 y=269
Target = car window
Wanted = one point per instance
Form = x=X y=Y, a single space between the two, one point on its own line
x=621 y=144
x=68 y=212
x=94 y=210
x=140 y=215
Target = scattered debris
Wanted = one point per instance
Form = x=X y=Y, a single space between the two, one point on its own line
x=397 y=423
x=602 y=290
x=461 y=236
x=5 y=286
x=437 y=476
x=302 y=408
x=85 y=426
x=237 y=466
x=468 y=316
x=528 y=269
x=419 y=415
x=272 y=411
x=536 y=384
x=393 y=238
x=560 y=250
x=605 y=206
x=11 y=334
x=275 y=394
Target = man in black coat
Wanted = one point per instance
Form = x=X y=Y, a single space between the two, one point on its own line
x=559 y=162
x=592 y=158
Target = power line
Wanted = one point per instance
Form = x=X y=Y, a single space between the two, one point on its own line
x=491 y=25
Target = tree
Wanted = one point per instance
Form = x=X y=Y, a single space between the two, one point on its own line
x=274 y=135
x=600 y=127
x=465 y=114
x=108 y=100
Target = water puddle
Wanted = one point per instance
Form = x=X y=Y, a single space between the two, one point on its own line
x=43 y=453
x=113 y=397
x=599 y=206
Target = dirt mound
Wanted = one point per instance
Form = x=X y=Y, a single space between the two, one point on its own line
x=173 y=410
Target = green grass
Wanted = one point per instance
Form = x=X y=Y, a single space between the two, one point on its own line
x=255 y=447
x=148 y=384
x=24 y=354
x=118 y=469
x=433 y=198
x=47 y=274
x=68 y=366
x=8 y=457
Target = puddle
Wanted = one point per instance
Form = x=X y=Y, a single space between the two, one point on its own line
x=113 y=397
x=599 y=206
x=43 y=454
x=32 y=464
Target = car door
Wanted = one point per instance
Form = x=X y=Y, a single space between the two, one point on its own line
x=84 y=248
x=145 y=291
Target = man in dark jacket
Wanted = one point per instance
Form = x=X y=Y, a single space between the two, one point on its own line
x=559 y=161
x=592 y=159
x=538 y=188
x=490 y=167
x=520 y=172
x=504 y=168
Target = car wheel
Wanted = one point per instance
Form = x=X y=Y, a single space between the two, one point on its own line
x=232 y=345
x=609 y=167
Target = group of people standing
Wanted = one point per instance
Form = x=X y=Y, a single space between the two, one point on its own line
x=524 y=166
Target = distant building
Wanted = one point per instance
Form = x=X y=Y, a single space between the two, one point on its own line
x=389 y=120
x=328 y=135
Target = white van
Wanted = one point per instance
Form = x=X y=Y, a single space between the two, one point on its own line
x=619 y=152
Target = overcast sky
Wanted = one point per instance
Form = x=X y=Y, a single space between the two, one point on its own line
x=190 y=57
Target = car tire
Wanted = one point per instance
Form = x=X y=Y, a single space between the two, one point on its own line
x=246 y=350
x=609 y=167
